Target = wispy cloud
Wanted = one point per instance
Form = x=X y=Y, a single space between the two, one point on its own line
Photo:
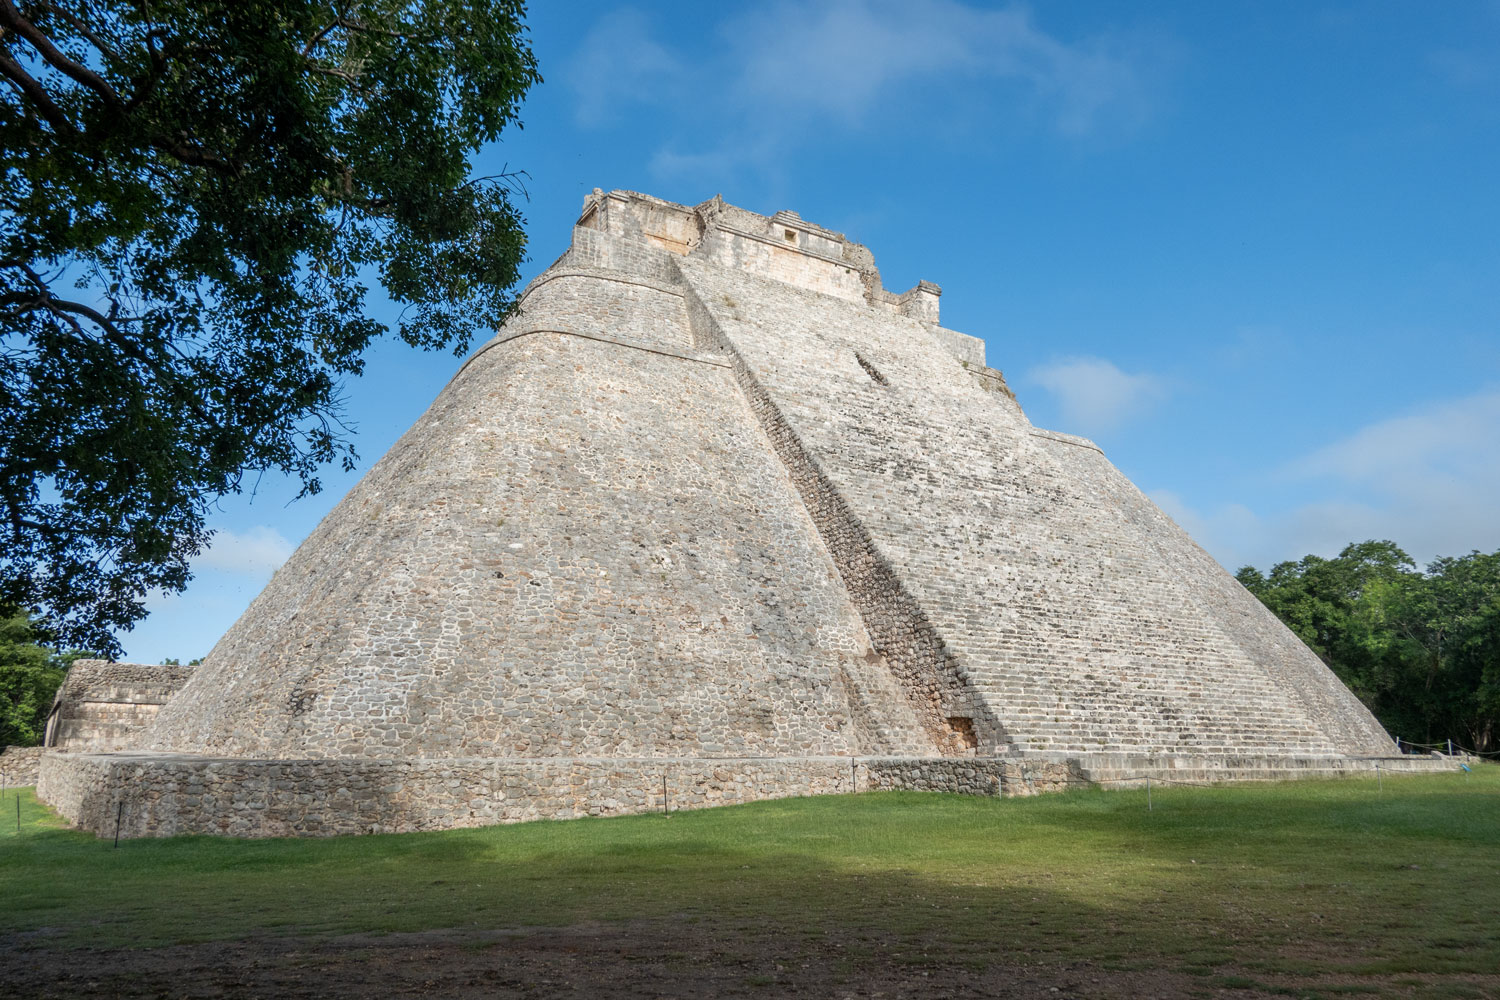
x=259 y=551
x=1429 y=480
x=844 y=60
x=1462 y=68
x=619 y=64
x=1431 y=449
x=1095 y=396
x=780 y=74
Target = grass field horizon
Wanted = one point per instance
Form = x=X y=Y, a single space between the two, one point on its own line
x=1308 y=888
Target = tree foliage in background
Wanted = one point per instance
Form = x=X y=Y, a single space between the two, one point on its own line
x=193 y=196
x=1421 y=649
x=30 y=674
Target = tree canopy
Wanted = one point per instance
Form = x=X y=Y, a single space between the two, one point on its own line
x=1421 y=649
x=30 y=674
x=194 y=200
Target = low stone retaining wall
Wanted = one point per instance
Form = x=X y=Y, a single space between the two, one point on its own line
x=1130 y=770
x=160 y=795
x=19 y=765
x=975 y=775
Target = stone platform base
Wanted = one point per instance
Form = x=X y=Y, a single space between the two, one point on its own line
x=159 y=795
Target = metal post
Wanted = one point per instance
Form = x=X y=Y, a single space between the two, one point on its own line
x=664 y=809
x=1148 y=793
x=1450 y=748
x=1398 y=745
x=18 y=814
x=853 y=775
x=1379 y=782
x=119 y=810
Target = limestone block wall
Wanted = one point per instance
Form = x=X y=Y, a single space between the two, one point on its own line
x=1327 y=702
x=1074 y=632
x=637 y=310
x=906 y=646
x=966 y=349
x=108 y=706
x=20 y=766
x=1010 y=778
x=165 y=796
x=1133 y=770
x=782 y=260
x=642 y=219
x=162 y=796
x=628 y=258
x=584 y=548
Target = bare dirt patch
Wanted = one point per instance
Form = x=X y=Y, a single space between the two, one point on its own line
x=642 y=959
x=637 y=960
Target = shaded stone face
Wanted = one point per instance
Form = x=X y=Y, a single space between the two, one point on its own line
x=713 y=493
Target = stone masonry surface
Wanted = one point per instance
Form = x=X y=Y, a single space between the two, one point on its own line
x=20 y=765
x=1069 y=626
x=108 y=706
x=161 y=795
x=715 y=504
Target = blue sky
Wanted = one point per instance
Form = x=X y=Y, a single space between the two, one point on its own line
x=1252 y=249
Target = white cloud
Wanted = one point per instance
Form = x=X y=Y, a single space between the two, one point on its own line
x=669 y=163
x=259 y=551
x=227 y=576
x=843 y=59
x=779 y=74
x=1095 y=395
x=619 y=63
x=1255 y=345
x=1428 y=480
x=1453 y=444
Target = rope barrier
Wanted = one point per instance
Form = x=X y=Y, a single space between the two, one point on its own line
x=1455 y=746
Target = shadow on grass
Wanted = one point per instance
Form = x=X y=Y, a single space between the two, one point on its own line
x=1303 y=880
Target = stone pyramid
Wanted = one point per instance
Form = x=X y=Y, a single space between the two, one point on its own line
x=717 y=517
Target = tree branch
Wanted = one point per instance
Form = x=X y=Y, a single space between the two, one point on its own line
x=317 y=39
x=330 y=71
x=67 y=311
x=81 y=26
x=365 y=29
x=178 y=149
x=191 y=157
x=37 y=94
x=12 y=18
x=158 y=69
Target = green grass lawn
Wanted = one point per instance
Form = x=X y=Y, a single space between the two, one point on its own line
x=1312 y=878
